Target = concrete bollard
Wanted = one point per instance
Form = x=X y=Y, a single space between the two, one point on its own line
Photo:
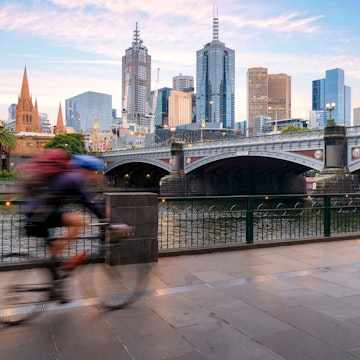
x=139 y=210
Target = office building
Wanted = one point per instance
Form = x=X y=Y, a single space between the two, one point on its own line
x=215 y=82
x=257 y=96
x=136 y=82
x=82 y=110
x=45 y=123
x=12 y=113
x=180 y=108
x=279 y=93
x=356 y=116
x=332 y=89
x=268 y=95
x=182 y=82
x=162 y=108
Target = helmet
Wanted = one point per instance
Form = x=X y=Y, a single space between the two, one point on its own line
x=88 y=162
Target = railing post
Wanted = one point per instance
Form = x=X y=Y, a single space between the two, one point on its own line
x=141 y=211
x=327 y=208
x=249 y=220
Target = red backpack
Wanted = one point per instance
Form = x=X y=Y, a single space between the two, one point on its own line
x=42 y=168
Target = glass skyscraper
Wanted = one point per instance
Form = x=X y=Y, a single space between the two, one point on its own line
x=332 y=89
x=83 y=109
x=215 y=82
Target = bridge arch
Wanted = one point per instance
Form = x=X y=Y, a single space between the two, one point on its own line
x=301 y=160
x=154 y=162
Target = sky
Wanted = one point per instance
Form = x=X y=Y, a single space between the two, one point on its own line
x=73 y=46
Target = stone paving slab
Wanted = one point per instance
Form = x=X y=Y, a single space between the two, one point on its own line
x=290 y=302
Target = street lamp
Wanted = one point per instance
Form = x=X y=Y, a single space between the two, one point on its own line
x=330 y=121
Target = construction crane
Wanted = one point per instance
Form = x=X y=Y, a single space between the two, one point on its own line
x=124 y=110
x=152 y=109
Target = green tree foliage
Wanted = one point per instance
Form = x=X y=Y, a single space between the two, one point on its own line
x=293 y=128
x=74 y=143
x=8 y=142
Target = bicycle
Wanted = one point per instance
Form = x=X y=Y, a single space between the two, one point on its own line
x=28 y=293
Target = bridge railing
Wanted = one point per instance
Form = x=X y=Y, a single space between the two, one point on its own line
x=215 y=222
x=266 y=138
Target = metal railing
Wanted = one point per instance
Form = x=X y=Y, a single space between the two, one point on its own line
x=221 y=221
x=13 y=238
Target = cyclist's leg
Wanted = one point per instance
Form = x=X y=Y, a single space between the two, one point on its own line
x=73 y=221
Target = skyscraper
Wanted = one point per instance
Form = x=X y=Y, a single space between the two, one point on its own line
x=279 y=92
x=136 y=82
x=82 y=110
x=332 y=89
x=269 y=95
x=257 y=96
x=215 y=82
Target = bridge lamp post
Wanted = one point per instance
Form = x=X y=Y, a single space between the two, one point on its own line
x=202 y=125
x=172 y=130
x=330 y=121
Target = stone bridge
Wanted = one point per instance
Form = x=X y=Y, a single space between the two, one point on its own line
x=273 y=163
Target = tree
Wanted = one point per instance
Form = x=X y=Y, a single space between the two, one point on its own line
x=8 y=142
x=293 y=128
x=74 y=143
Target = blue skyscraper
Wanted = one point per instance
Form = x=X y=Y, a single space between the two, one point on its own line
x=332 y=89
x=83 y=109
x=162 y=108
x=215 y=82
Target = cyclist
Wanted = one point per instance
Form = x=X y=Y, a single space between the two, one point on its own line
x=46 y=210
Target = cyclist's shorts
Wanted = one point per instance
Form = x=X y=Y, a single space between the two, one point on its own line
x=41 y=229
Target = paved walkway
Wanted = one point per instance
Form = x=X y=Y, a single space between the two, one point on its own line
x=291 y=302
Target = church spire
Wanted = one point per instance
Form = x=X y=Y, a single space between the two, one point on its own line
x=24 y=108
x=60 y=129
x=35 y=126
x=25 y=93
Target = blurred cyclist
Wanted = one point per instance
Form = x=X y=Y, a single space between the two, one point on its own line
x=46 y=210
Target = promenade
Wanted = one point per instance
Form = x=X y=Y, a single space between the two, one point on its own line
x=289 y=302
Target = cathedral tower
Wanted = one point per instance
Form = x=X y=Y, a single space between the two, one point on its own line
x=27 y=116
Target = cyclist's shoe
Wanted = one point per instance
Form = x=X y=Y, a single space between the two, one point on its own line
x=121 y=228
x=74 y=261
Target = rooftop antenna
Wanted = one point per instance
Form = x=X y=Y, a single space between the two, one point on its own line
x=215 y=23
x=136 y=37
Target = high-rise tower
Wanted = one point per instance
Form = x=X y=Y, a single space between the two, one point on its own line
x=332 y=89
x=215 y=82
x=269 y=95
x=136 y=82
x=257 y=94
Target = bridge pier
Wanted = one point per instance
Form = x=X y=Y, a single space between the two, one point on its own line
x=174 y=183
x=335 y=176
x=335 y=150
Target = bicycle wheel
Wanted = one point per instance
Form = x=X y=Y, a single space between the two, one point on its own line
x=117 y=286
x=23 y=292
